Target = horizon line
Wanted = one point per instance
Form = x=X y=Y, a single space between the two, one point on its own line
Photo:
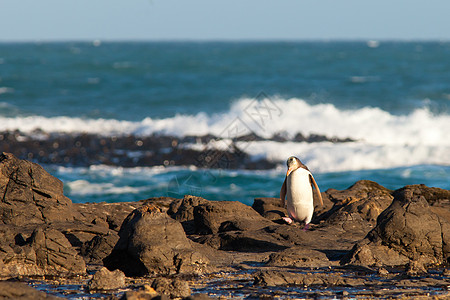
x=98 y=41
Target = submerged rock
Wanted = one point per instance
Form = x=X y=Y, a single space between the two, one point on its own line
x=408 y=229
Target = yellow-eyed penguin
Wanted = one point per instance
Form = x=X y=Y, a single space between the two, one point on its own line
x=297 y=189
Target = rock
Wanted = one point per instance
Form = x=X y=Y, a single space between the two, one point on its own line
x=104 y=279
x=183 y=211
x=283 y=278
x=222 y=216
x=199 y=297
x=383 y=272
x=269 y=208
x=358 y=206
x=153 y=243
x=95 y=250
x=299 y=257
x=17 y=290
x=55 y=254
x=174 y=288
x=146 y=294
x=243 y=241
x=30 y=194
x=408 y=229
x=415 y=267
x=46 y=252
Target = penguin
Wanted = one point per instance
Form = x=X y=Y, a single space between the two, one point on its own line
x=297 y=188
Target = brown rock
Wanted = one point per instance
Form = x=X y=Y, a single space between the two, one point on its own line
x=152 y=242
x=46 y=252
x=358 y=206
x=183 y=211
x=18 y=290
x=174 y=288
x=416 y=267
x=104 y=279
x=269 y=208
x=30 y=194
x=222 y=216
x=55 y=254
x=299 y=257
x=283 y=278
x=407 y=230
x=95 y=250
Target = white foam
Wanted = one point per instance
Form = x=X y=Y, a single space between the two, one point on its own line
x=372 y=125
x=83 y=188
x=329 y=157
x=383 y=140
x=6 y=90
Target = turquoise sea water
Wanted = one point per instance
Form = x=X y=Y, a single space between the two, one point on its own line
x=391 y=98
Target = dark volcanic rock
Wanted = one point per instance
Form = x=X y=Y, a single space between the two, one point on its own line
x=234 y=226
x=299 y=257
x=104 y=279
x=183 y=211
x=95 y=250
x=55 y=254
x=222 y=216
x=41 y=231
x=408 y=229
x=269 y=208
x=152 y=242
x=18 y=290
x=46 y=252
x=284 y=278
x=174 y=288
x=30 y=194
x=357 y=207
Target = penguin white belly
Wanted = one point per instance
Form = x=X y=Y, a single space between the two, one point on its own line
x=299 y=196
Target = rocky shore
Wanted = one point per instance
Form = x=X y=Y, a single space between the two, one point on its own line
x=133 y=151
x=367 y=241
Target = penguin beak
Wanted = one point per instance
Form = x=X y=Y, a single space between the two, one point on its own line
x=289 y=171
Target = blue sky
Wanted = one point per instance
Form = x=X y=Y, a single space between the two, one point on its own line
x=34 y=20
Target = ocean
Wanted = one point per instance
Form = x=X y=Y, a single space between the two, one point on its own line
x=350 y=110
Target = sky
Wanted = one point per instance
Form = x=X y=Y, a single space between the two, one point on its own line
x=58 y=20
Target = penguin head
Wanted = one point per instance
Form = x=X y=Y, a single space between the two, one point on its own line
x=293 y=163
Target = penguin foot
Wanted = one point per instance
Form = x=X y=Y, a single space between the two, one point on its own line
x=306 y=227
x=288 y=220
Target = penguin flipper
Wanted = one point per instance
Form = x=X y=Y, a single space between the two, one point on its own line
x=316 y=187
x=283 y=193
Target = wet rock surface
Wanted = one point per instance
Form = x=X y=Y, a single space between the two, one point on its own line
x=366 y=241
